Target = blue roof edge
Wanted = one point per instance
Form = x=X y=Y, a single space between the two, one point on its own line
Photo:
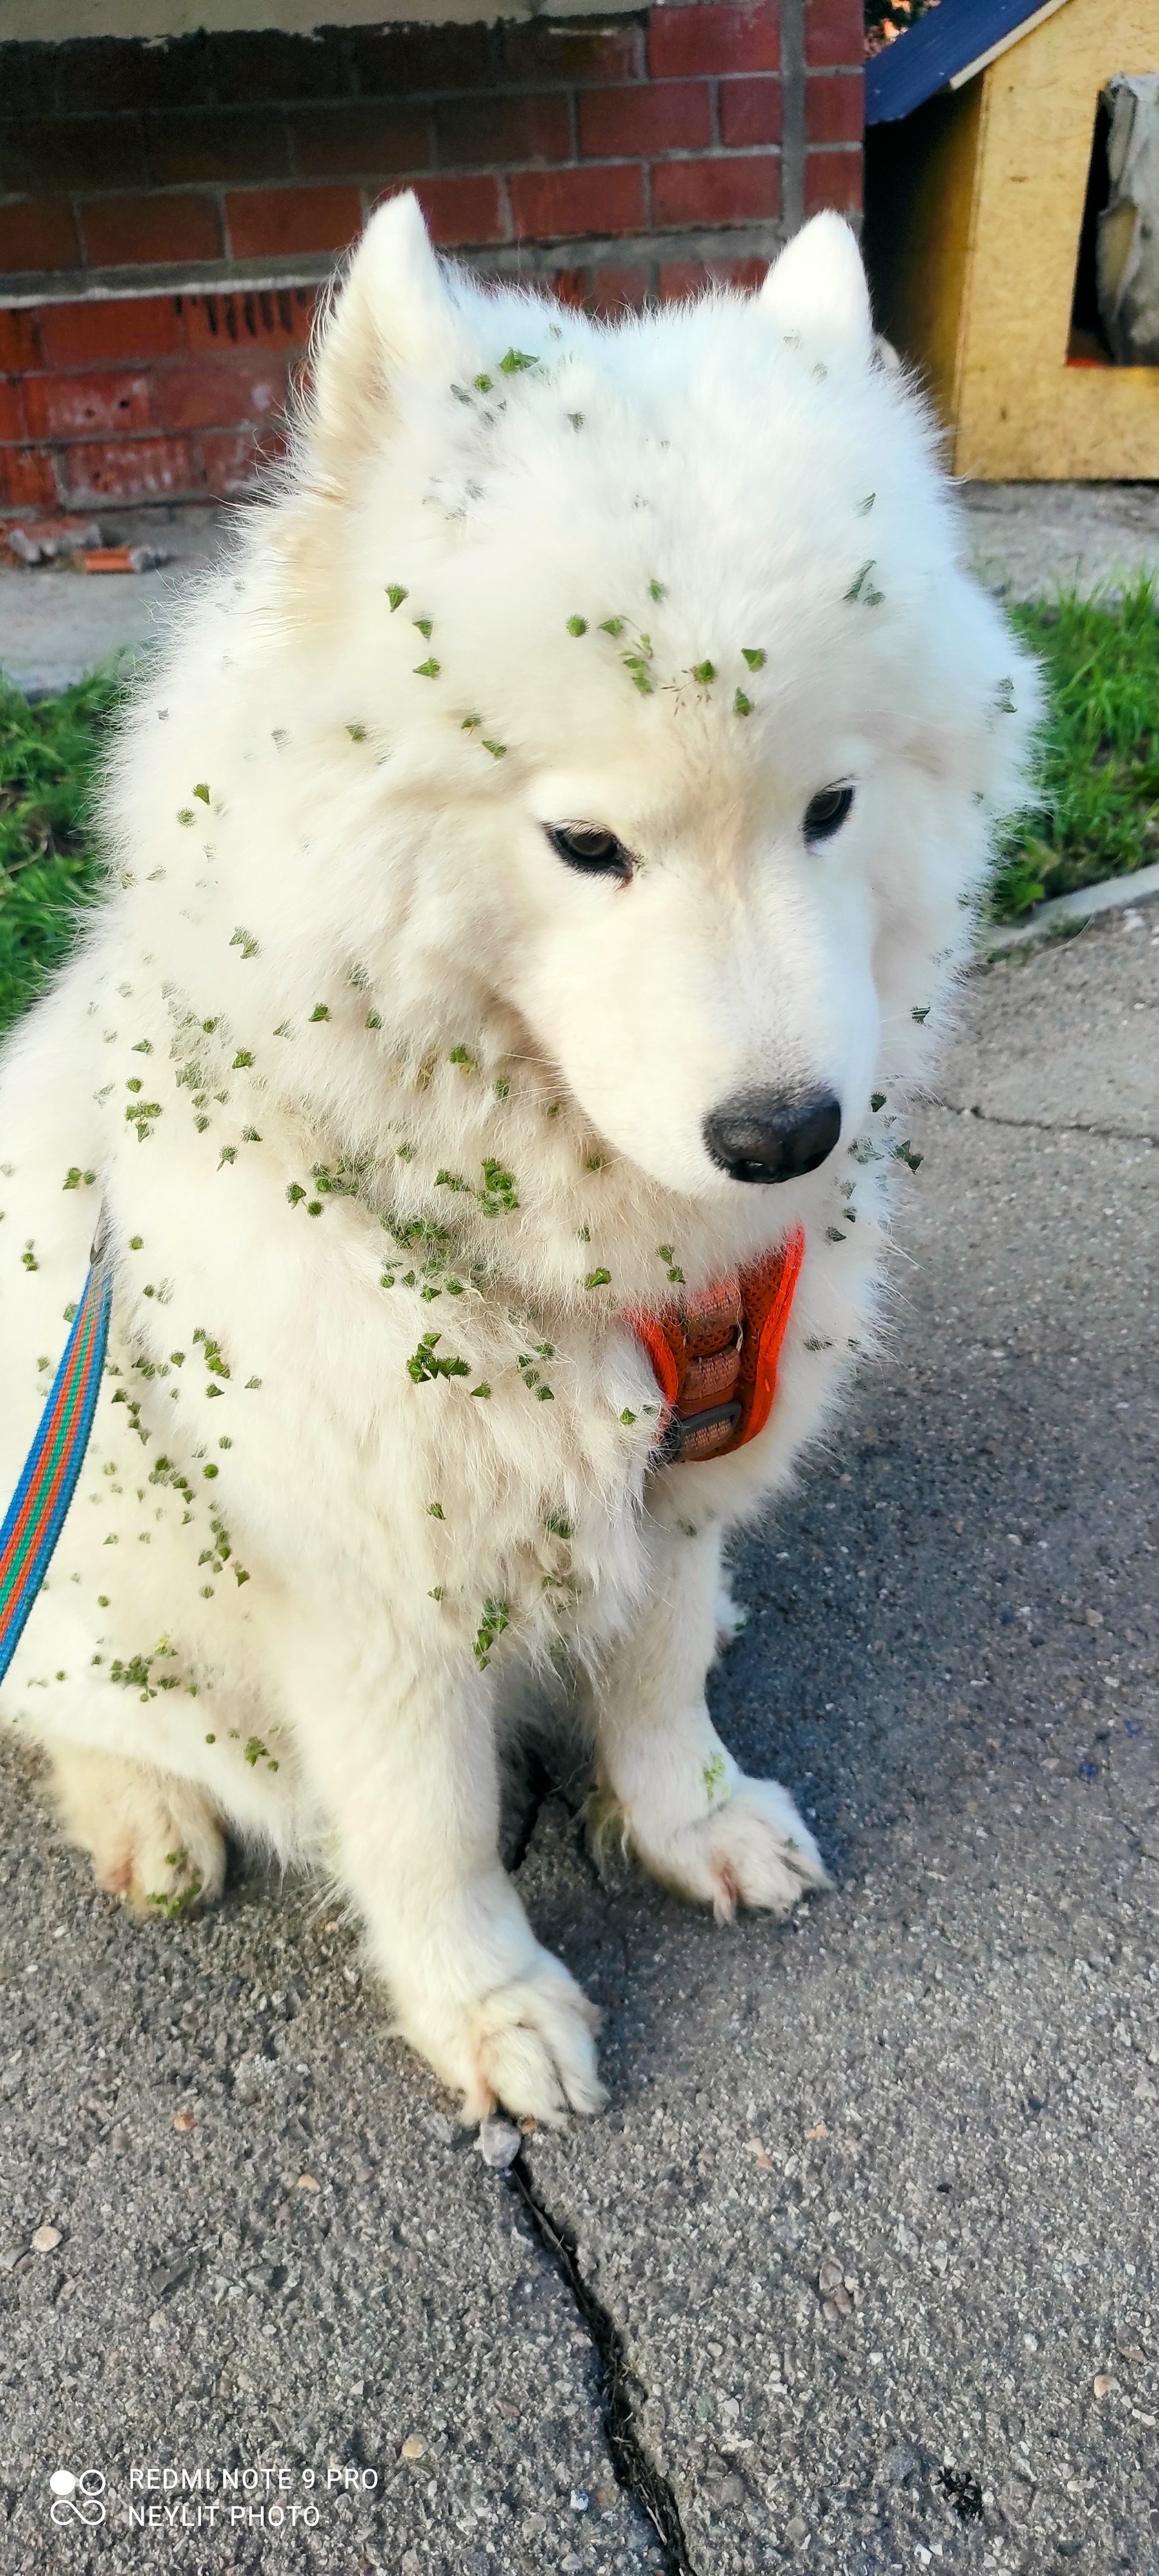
x=911 y=70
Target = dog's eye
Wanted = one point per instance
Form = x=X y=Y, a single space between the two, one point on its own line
x=595 y=853
x=826 y=812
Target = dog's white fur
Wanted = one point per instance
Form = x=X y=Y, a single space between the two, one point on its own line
x=339 y=958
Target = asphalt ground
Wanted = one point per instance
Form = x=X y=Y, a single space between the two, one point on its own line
x=858 y=2270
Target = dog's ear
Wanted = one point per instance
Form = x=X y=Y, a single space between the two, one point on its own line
x=818 y=288
x=391 y=317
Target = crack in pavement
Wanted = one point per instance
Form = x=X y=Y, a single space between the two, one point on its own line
x=1043 y=1126
x=634 y=2471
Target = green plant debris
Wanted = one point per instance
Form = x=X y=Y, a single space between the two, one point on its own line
x=396 y=595
x=424 y=1365
x=598 y=1279
x=741 y=705
x=754 y=655
x=496 y=1617
x=704 y=672
x=713 y=1776
x=428 y=670
x=515 y=362
x=577 y=626
x=202 y=792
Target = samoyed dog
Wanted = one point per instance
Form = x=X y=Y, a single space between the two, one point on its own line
x=537 y=871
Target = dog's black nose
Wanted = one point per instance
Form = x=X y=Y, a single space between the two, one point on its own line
x=764 y=1136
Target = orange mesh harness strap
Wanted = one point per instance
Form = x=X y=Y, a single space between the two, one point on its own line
x=715 y=1357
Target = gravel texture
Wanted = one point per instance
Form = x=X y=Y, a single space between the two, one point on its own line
x=859 y=2267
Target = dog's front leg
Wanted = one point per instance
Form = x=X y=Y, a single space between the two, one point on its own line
x=399 y=1753
x=665 y=1782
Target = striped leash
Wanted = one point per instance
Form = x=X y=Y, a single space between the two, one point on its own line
x=37 y=1510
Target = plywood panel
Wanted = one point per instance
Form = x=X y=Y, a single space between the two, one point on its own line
x=1021 y=411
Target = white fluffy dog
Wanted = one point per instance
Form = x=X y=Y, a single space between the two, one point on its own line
x=537 y=870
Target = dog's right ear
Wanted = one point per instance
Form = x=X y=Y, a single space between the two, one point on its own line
x=391 y=317
x=817 y=289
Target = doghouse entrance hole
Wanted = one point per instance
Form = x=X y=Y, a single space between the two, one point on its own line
x=1088 y=345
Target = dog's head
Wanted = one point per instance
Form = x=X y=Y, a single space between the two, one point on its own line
x=661 y=629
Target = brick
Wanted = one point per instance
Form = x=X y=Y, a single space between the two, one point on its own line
x=27 y=479
x=682 y=277
x=280 y=221
x=129 y=469
x=213 y=144
x=551 y=205
x=255 y=68
x=617 y=290
x=100 y=74
x=101 y=335
x=835 y=108
x=88 y=406
x=390 y=62
x=12 y=421
x=570 y=286
x=475 y=131
x=709 y=38
x=54 y=157
x=215 y=394
x=834 y=32
x=576 y=55
x=232 y=459
x=38 y=236
x=461 y=212
x=656 y=116
x=750 y=112
x=336 y=142
x=832 y=179
x=274 y=318
x=736 y=189
x=133 y=231
x=19 y=339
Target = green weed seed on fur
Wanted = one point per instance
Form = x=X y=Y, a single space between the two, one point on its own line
x=356 y=732
x=577 y=626
x=856 y=587
x=425 y=625
x=515 y=362
x=186 y=814
x=920 y=1012
x=877 y=1099
x=243 y=1057
x=755 y=655
x=203 y=792
x=498 y=750
x=396 y=595
x=483 y=1389
x=864 y=507
x=428 y=670
x=598 y=1279
x=244 y=940
x=612 y=626
x=483 y=384
x=470 y=724
x=705 y=672
x=741 y=706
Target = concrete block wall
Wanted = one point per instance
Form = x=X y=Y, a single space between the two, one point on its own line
x=168 y=212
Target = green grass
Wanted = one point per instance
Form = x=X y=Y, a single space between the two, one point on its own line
x=1095 y=812
x=50 y=759
x=1096 y=807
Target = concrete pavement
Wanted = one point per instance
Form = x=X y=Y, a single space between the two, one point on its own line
x=859 y=2268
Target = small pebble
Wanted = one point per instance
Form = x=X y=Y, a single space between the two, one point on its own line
x=184 y=2121
x=45 y=2238
x=499 y=2144
x=306 y=2182
x=414 y=2447
x=1103 y=2383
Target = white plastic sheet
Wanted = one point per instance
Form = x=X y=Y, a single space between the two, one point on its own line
x=1128 y=231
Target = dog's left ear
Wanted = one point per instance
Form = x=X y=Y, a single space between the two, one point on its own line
x=818 y=289
x=392 y=317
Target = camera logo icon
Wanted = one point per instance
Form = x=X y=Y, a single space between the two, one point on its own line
x=77 y=2496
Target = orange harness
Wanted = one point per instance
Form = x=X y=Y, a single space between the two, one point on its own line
x=715 y=1357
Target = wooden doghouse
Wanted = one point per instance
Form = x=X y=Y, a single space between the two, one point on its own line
x=986 y=169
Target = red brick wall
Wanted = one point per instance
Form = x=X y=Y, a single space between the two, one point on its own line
x=615 y=163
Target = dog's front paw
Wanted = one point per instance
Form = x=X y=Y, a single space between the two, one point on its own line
x=154 y=1840
x=528 y=2045
x=752 y=1849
